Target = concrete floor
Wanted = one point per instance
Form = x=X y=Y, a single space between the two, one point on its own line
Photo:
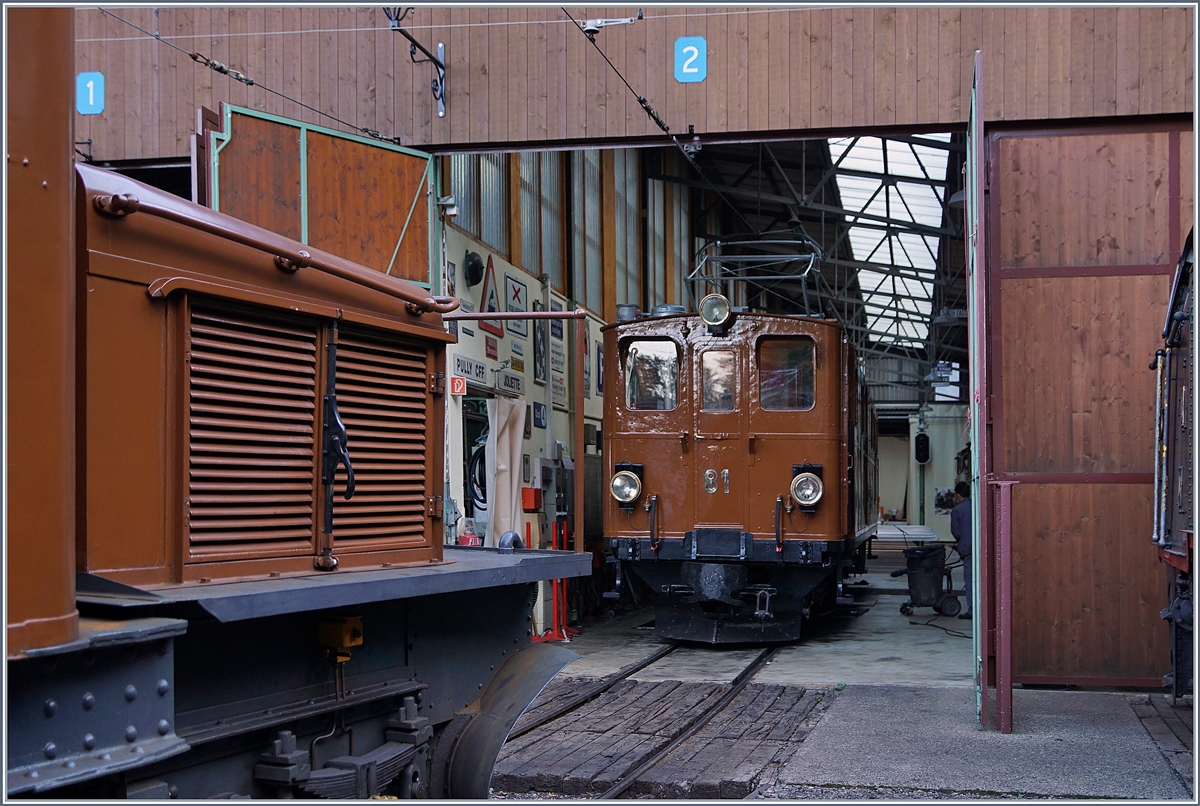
x=877 y=647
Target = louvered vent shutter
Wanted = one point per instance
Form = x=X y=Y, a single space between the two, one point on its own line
x=382 y=397
x=251 y=400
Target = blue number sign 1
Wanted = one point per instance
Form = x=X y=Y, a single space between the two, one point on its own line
x=89 y=93
x=691 y=59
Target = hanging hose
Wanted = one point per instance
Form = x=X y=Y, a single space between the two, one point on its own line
x=779 y=526
x=654 y=523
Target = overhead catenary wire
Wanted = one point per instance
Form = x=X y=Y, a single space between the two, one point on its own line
x=658 y=121
x=432 y=27
x=237 y=75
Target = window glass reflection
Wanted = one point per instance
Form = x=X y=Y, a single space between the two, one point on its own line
x=651 y=376
x=718 y=379
x=785 y=373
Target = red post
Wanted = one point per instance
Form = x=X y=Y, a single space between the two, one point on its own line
x=1004 y=618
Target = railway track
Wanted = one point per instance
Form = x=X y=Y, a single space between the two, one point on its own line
x=592 y=692
x=702 y=719
x=693 y=725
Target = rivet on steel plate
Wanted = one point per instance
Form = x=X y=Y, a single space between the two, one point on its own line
x=45 y=184
x=51 y=708
x=89 y=701
x=164 y=727
x=50 y=750
x=131 y=692
x=131 y=734
x=89 y=741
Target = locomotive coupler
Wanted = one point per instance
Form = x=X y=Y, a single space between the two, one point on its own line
x=762 y=601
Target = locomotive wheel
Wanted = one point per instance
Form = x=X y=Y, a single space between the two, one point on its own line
x=906 y=610
x=948 y=606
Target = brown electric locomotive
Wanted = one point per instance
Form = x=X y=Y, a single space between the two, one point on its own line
x=742 y=454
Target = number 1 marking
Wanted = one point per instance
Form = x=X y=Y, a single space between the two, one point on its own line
x=91 y=85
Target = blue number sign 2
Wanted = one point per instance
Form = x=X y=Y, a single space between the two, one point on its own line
x=691 y=59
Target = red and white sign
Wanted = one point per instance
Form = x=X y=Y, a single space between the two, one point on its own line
x=458 y=386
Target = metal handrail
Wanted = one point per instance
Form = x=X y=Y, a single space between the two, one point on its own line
x=287 y=258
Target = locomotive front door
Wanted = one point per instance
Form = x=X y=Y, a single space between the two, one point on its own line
x=719 y=468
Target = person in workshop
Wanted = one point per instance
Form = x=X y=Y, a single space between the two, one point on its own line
x=960 y=528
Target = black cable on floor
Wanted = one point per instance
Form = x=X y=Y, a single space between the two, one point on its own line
x=948 y=631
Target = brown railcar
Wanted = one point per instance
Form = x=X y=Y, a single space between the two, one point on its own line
x=742 y=450
x=226 y=573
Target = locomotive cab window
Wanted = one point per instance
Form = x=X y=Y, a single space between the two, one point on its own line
x=718 y=379
x=785 y=373
x=651 y=375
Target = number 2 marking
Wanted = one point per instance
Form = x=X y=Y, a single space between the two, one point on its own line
x=687 y=63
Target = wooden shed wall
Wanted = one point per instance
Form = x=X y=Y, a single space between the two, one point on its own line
x=525 y=74
x=1078 y=305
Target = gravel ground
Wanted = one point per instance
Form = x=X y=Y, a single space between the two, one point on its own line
x=494 y=795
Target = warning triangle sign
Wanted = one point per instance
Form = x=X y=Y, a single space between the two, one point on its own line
x=490 y=302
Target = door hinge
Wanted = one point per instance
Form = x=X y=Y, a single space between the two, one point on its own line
x=437 y=383
x=433 y=506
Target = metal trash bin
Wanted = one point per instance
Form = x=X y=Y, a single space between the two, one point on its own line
x=926 y=570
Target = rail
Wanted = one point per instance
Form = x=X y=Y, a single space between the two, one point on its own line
x=592 y=692
x=287 y=258
x=739 y=683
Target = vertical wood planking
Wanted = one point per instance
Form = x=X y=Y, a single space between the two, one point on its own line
x=185 y=74
x=1178 y=58
x=797 y=105
x=991 y=41
x=1059 y=63
x=843 y=72
x=1016 y=64
x=1103 y=398
x=970 y=26
x=722 y=72
x=759 y=70
x=618 y=95
x=307 y=42
x=576 y=103
x=778 y=83
x=1104 y=62
x=521 y=86
x=1037 y=50
x=385 y=84
x=366 y=102
x=862 y=56
x=952 y=60
x=1127 y=61
x=328 y=78
x=906 y=71
x=1082 y=29
x=84 y=62
x=928 y=98
x=458 y=71
x=541 y=102
x=133 y=54
x=498 y=74
x=480 y=66
x=114 y=114
x=347 y=92
x=883 y=68
x=822 y=77
x=556 y=78
x=237 y=41
x=651 y=56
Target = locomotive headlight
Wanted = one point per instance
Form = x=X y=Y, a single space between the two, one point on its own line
x=625 y=487
x=714 y=310
x=807 y=489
